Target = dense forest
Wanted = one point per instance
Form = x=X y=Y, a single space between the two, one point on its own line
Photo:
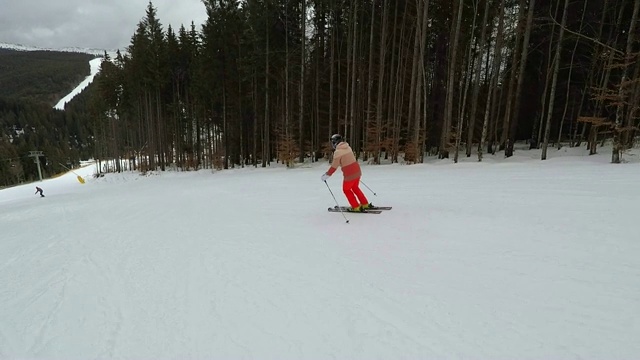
x=271 y=80
x=31 y=82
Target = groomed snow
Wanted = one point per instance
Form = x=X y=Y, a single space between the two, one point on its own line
x=505 y=259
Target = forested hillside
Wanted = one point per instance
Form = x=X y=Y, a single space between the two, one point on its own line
x=31 y=82
x=267 y=80
x=43 y=76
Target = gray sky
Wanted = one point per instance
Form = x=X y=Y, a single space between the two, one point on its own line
x=101 y=24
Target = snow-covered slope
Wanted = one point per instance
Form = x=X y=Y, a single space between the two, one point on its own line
x=95 y=68
x=505 y=259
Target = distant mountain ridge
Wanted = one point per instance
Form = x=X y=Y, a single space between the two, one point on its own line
x=20 y=47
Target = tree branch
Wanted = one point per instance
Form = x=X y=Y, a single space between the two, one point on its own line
x=586 y=37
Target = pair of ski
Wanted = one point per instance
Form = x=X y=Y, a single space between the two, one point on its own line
x=374 y=210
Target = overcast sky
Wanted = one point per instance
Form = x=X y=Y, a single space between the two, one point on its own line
x=101 y=24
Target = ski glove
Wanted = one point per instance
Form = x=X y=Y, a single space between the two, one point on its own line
x=324 y=177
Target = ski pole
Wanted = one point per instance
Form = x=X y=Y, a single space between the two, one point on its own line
x=365 y=185
x=338 y=205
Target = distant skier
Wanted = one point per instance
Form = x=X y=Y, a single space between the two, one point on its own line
x=38 y=190
x=344 y=158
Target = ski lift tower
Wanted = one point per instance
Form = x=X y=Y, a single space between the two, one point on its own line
x=36 y=155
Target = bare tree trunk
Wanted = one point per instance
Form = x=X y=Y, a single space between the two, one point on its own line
x=414 y=69
x=550 y=60
x=266 y=146
x=476 y=74
x=354 y=73
x=554 y=81
x=523 y=64
x=619 y=123
x=487 y=112
x=566 y=103
x=381 y=67
x=391 y=96
x=634 y=101
x=421 y=81
x=471 y=59
x=448 y=118
x=575 y=141
x=545 y=93
x=224 y=126
x=603 y=84
x=303 y=16
x=425 y=80
x=254 y=155
x=159 y=131
x=151 y=148
x=320 y=55
x=505 y=139
x=287 y=129
x=332 y=77
x=399 y=91
x=350 y=67
x=497 y=61
x=495 y=115
x=367 y=126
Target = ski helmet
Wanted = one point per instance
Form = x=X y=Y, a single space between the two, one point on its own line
x=335 y=140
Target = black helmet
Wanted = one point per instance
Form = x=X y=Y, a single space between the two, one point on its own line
x=335 y=140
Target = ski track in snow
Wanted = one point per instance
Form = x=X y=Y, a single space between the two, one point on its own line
x=504 y=260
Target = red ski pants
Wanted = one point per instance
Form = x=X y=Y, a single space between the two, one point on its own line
x=353 y=193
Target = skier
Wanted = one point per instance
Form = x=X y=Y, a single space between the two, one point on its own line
x=344 y=158
x=38 y=190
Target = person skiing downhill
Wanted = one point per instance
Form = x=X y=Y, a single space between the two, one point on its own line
x=38 y=190
x=344 y=158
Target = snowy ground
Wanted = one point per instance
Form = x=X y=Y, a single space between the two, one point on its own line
x=503 y=259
